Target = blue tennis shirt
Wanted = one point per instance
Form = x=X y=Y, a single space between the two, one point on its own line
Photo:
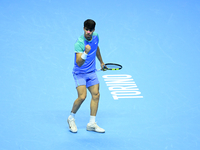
x=90 y=62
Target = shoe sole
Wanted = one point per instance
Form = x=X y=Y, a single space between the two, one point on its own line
x=91 y=129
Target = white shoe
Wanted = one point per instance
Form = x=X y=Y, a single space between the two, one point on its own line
x=94 y=127
x=72 y=125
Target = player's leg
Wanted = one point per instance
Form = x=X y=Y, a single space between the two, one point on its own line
x=80 y=81
x=94 y=90
x=92 y=126
x=93 y=86
x=82 y=93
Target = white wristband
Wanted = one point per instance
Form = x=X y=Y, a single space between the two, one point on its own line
x=84 y=56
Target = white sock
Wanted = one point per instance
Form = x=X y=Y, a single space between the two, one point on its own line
x=92 y=119
x=72 y=115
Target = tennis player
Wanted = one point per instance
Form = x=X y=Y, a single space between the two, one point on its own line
x=86 y=51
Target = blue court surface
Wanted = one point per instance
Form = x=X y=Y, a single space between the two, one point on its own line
x=153 y=103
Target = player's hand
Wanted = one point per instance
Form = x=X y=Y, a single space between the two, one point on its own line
x=103 y=66
x=87 y=49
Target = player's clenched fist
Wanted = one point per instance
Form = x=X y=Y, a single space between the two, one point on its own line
x=87 y=49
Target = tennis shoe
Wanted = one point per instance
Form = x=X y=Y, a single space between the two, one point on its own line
x=94 y=127
x=72 y=125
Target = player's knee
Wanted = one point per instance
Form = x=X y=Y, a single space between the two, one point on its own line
x=82 y=97
x=96 y=96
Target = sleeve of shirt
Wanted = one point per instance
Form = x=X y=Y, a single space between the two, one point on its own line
x=98 y=36
x=79 y=47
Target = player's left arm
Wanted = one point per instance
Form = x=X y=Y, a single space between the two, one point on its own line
x=98 y=54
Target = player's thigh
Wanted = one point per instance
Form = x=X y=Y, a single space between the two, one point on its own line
x=94 y=90
x=82 y=92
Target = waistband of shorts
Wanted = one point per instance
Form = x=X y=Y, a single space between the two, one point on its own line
x=84 y=73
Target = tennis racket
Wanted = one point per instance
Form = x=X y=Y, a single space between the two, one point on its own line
x=111 y=66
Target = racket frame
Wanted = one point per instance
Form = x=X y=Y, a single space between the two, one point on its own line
x=104 y=69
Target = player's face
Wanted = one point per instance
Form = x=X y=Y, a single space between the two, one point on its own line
x=88 y=33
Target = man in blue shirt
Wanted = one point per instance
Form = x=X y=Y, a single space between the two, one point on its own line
x=86 y=51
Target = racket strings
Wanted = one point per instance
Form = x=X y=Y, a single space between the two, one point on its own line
x=113 y=66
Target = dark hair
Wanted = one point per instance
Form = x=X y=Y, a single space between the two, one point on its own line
x=90 y=24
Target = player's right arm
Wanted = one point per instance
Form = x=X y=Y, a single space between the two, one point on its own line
x=81 y=57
